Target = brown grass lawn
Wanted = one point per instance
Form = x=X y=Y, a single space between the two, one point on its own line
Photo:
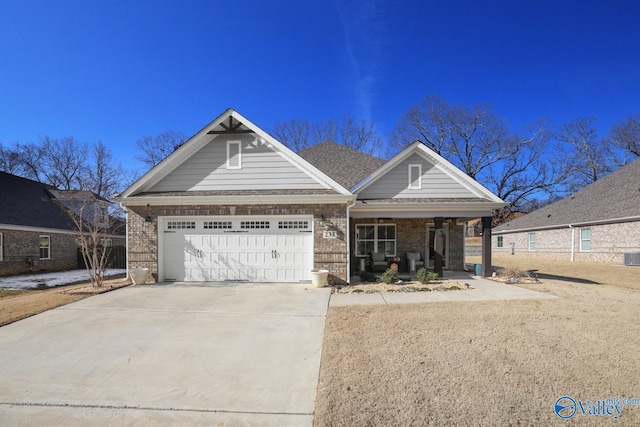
x=17 y=305
x=486 y=363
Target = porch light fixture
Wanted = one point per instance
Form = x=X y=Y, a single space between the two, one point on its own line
x=147 y=219
x=321 y=220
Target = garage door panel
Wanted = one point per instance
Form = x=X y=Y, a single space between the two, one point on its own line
x=257 y=254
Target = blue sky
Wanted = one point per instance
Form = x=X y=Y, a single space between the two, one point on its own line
x=116 y=71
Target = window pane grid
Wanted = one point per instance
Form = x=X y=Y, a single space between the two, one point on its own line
x=254 y=224
x=299 y=225
x=217 y=225
x=45 y=247
x=181 y=225
x=375 y=238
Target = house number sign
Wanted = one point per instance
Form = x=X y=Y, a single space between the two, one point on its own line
x=330 y=235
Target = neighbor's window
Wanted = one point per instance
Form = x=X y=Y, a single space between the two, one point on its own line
x=45 y=247
x=1 y=247
x=500 y=242
x=234 y=155
x=532 y=241
x=415 y=175
x=585 y=239
x=376 y=238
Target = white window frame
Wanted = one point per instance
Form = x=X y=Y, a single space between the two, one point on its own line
x=229 y=144
x=40 y=247
x=419 y=186
x=583 y=240
x=500 y=242
x=1 y=247
x=376 y=238
x=532 y=242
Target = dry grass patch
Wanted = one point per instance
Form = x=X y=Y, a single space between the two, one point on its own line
x=20 y=304
x=480 y=363
x=577 y=272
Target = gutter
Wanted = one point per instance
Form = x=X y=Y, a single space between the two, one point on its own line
x=224 y=200
x=573 y=242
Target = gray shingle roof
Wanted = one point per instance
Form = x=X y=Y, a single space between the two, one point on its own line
x=343 y=164
x=615 y=196
x=30 y=203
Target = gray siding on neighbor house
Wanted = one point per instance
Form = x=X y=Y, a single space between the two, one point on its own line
x=436 y=182
x=609 y=242
x=262 y=169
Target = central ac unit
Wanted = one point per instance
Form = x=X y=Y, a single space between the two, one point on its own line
x=632 y=258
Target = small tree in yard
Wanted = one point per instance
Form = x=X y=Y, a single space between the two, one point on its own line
x=90 y=215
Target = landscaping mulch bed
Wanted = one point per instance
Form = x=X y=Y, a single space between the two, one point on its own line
x=403 y=286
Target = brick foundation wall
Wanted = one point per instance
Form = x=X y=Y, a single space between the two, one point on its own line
x=21 y=252
x=329 y=254
x=608 y=243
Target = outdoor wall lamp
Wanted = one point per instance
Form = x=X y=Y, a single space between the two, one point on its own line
x=321 y=220
x=147 y=219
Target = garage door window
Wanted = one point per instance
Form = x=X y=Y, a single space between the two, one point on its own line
x=297 y=225
x=217 y=225
x=181 y=225
x=251 y=225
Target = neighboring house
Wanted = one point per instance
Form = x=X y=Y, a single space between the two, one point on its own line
x=35 y=233
x=233 y=203
x=599 y=223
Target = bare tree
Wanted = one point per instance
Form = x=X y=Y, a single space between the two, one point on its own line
x=295 y=133
x=584 y=156
x=426 y=122
x=361 y=136
x=104 y=177
x=327 y=130
x=94 y=226
x=299 y=134
x=154 y=149
x=626 y=135
x=480 y=143
x=10 y=161
x=58 y=162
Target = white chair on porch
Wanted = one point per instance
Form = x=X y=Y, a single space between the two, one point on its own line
x=413 y=258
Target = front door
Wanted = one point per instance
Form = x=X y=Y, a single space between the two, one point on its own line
x=431 y=247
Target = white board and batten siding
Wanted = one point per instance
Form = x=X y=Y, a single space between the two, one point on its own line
x=255 y=249
x=436 y=182
x=261 y=168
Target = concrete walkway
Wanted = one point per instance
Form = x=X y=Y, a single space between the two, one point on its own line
x=485 y=290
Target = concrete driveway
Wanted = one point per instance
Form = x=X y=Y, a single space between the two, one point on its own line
x=220 y=355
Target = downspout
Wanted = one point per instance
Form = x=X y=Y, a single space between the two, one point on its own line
x=573 y=242
x=126 y=237
x=353 y=203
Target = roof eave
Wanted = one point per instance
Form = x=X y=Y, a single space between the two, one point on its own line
x=569 y=225
x=240 y=200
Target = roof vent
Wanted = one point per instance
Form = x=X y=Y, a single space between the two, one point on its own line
x=632 y=258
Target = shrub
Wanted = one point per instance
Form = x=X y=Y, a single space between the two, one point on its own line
x=390 y=276
x=454 y=288
x=425 y=276
x=366 y=276
x=513 y=272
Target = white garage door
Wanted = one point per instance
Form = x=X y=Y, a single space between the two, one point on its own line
x=248 y=249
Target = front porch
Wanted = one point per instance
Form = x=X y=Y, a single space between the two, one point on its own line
x=435 y=243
